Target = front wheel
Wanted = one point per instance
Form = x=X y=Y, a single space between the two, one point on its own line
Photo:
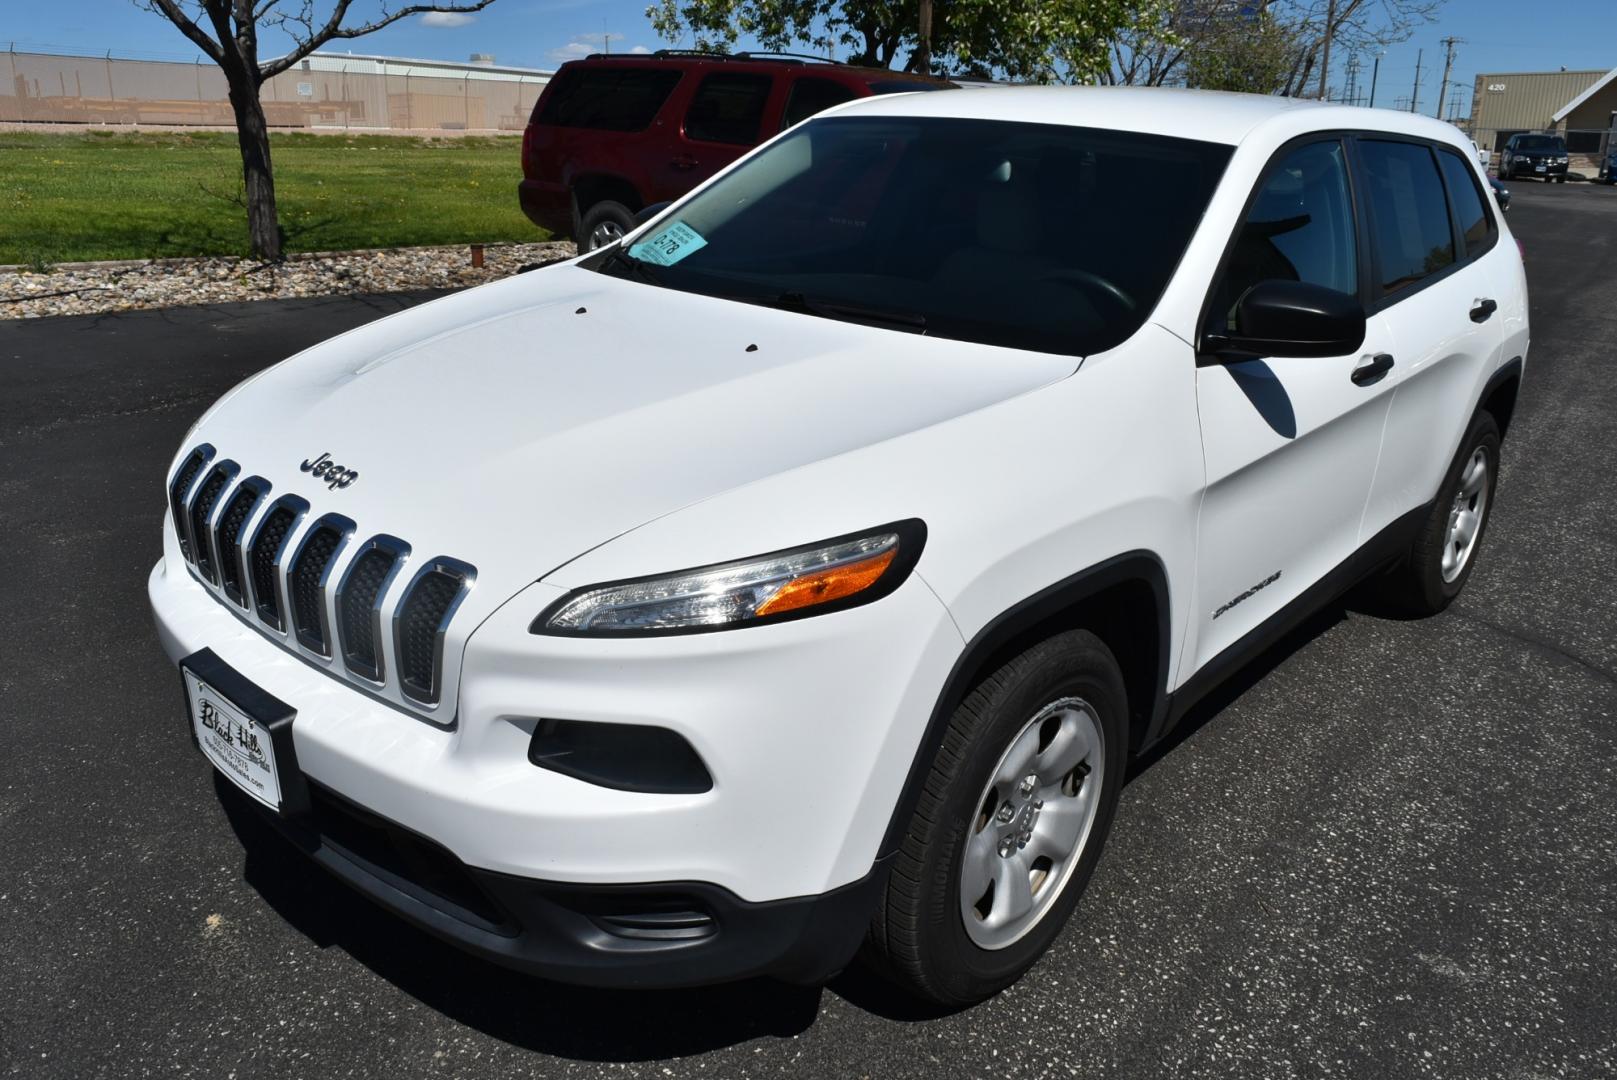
x=1010 y=823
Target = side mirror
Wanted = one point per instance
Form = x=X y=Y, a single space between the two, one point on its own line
x=649 y=212
x=1291 y=318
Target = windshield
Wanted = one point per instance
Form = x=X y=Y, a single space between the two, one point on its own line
x=1539 y=142
x=1045 y=237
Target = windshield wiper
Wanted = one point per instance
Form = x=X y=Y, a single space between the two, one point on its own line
x=637 y=267
x=913 y=321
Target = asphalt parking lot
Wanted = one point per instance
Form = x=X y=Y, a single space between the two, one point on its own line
x=1390 y=850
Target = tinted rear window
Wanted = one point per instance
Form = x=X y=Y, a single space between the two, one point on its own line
x=609 y=99
x=1476 y=225
x=1410 y=215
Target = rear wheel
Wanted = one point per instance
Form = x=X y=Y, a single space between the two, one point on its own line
x=1010 y=823
x=604 y=223
x=1440 y=561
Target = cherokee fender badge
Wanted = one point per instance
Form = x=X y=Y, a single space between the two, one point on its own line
x=335 y=475
x=1253 y=591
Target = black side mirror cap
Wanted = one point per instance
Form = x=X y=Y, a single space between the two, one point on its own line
x=1290 y=318
x=649 y=212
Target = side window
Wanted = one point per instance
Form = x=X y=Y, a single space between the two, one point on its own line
x=811 y=95
x=607 y=99
x=1413 y=239
x=728 y=108
x=1300 y=228
x=1476 y=223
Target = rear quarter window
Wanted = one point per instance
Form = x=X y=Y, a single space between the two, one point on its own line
x=1476 y=223
x=607 y=99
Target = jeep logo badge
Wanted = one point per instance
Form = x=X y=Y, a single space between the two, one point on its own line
x=335 y=475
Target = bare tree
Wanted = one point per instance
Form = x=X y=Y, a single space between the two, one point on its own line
x=1194 y=37
x=227 y=32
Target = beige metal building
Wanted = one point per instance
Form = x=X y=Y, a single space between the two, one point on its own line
x=1581 y=105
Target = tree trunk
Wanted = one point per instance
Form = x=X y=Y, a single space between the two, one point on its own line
x=252 y=134
x=923 y=45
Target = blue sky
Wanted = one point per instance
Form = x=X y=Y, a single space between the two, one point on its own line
x=1500 y=35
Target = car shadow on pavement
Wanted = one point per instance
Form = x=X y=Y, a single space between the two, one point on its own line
x=564 y=1021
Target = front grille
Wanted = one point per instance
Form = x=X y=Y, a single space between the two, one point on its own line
x=306 y=585
x=201 y=506
x=228 y=538
x=274 y=571
x=358 y=613
x=180 y=487
x=262 y=559
x=419 y=627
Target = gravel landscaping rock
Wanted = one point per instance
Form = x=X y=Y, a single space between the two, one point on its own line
x=92 y=288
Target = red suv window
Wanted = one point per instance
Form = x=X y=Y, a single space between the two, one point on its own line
x=811 y=95
x=608 y=99
x=728 y=108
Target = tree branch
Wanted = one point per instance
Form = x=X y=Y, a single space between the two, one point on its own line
x=171 y=10
x=334 y=29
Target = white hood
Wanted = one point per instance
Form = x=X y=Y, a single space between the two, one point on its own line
x=518 y=425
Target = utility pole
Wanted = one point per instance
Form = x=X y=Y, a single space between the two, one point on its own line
x=1350 y=94
x=1375 y=73
x=1325 y=61
x=1414 y=100
x=1448 y=63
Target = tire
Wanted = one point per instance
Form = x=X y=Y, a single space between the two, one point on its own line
x=1422 y=584
x=1066 y=688
x=603 y=223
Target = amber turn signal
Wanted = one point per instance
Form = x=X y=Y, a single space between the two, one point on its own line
x=824 y=586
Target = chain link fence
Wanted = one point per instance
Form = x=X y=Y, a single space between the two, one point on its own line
x=324 y=92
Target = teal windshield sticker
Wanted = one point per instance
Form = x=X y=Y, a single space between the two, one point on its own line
x=669 y=245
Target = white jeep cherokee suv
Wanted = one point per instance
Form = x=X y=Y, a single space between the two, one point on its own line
x=803 y=573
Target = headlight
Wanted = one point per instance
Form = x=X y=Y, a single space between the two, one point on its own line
x=1561 y=160
x=812 y=580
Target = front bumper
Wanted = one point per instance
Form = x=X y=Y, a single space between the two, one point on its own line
x=1524 y=168
x=808 y=728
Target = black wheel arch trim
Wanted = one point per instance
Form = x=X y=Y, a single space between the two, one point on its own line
x=1509 y=371
x=1137 y=566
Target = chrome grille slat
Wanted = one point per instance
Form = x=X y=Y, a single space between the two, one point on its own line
x=179 y=495
x=360 y=597
x=227 y=535
x=307 y=576
x=200 y=513
x=420 y=621
x=266 y=557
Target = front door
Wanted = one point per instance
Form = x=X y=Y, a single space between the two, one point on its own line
x=1290 y=443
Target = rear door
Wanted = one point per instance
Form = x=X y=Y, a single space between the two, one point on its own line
x=1445 y=286
x=1290 y=443
x=725 y=119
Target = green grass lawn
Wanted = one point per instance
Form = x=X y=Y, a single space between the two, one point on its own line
x=110 y=195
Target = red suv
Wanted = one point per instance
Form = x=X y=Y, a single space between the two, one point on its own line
x=611 y=135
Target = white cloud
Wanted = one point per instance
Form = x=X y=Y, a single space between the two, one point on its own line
x=446 y=20
x=584 y=44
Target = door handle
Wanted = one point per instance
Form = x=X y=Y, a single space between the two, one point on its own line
x=683 y=161
x=1371 y=369
x=1483 y=310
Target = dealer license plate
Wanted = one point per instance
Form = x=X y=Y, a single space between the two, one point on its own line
x=239 y=746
